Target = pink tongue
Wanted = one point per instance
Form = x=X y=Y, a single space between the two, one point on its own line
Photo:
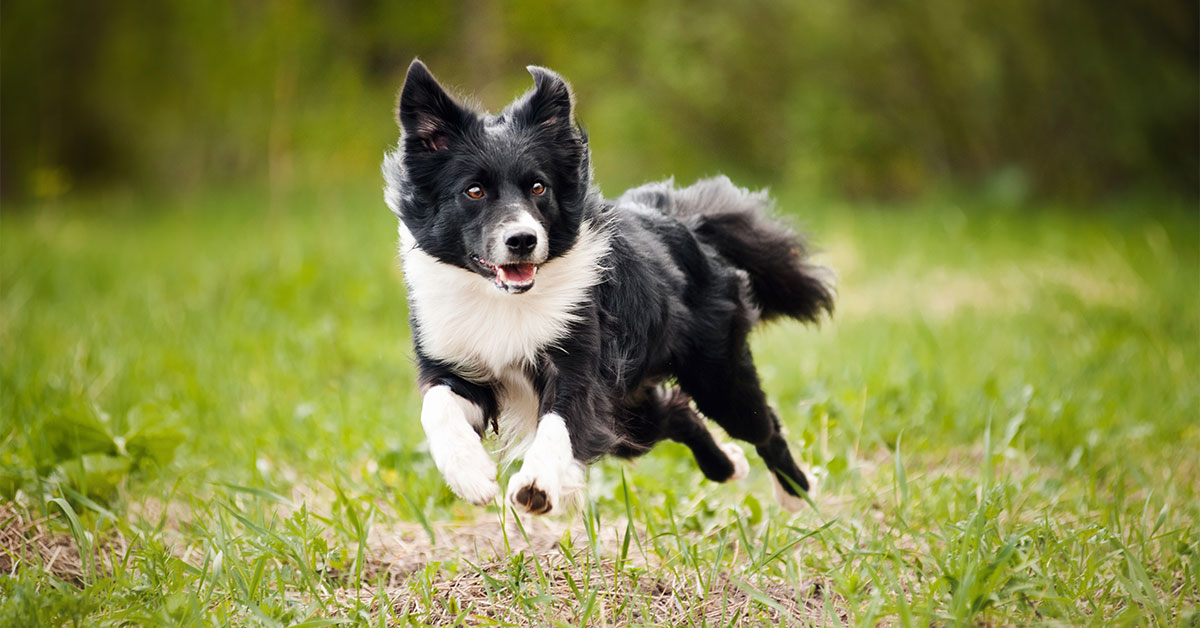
x=515 y=273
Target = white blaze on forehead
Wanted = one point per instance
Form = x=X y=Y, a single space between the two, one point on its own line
x=495 y=126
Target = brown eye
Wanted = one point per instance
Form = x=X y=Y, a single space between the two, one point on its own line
x=538 y=189
x=474 y=192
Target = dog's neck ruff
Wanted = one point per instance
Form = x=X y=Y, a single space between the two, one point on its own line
x=462 y=319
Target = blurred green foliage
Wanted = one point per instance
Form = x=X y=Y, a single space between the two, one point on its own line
x=1071 y=98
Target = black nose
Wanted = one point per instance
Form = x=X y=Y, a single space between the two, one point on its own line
x=521 y=242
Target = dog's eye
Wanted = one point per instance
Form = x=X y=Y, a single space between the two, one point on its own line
x=474 y=192
x=538 y=189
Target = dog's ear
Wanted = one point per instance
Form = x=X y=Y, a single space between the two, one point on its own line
x=428 y=115
x=550 y=103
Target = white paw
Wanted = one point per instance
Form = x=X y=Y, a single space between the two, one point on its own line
x=789 y=502
x=541 y=491
x=472 y=477
x=450 y=424
x=550 y=477
x=534 y=493
x=741 y=467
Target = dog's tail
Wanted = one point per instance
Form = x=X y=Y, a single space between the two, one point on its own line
x=736 y=222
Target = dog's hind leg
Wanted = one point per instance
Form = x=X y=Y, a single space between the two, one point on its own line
x=726 y=389
x=667 y=413
x=787 y=475
x=719 y=462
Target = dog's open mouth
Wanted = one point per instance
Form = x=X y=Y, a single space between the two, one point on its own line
x=511 y=278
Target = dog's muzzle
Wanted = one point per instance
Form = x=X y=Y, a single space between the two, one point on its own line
x=518 y=250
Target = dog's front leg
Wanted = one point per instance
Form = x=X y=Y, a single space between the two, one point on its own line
x=550 y=477
x=452 y=426
x=575 y=428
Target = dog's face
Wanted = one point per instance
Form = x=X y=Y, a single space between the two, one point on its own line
x=497 y=195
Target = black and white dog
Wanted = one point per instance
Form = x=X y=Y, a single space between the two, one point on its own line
x=573 y=326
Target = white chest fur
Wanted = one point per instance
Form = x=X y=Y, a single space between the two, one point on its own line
x=518 y=420
x=464 y=320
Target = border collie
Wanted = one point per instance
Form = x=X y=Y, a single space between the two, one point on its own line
x=573 y=326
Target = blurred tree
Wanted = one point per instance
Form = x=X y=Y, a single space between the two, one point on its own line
x=858 y=97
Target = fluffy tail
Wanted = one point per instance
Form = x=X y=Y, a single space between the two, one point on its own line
x=736 y=223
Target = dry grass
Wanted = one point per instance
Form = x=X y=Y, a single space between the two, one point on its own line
x=625 y=601
x=471 y=568
x=28 y=540
x=623 y=595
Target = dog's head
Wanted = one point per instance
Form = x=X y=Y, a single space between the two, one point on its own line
x=498 y=195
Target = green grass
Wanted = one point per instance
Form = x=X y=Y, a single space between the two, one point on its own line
x=209 y=418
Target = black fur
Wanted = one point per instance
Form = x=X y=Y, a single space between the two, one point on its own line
x=688 y=273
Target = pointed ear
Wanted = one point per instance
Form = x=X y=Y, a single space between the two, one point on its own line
x=428 y=115
x=550 y=103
